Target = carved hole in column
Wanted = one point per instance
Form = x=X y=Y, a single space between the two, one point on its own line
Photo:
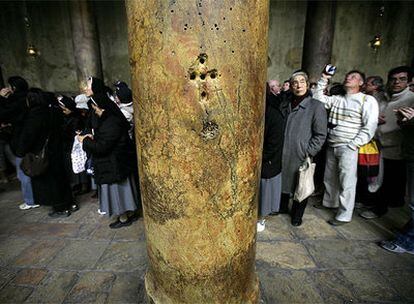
x=193 y=76
x=172 y=11
x=213 y=74
x=202 y=58
x=210 y=130
x=203 y=76
x=203 y=94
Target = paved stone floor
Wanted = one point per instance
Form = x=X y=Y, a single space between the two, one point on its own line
x=80 y=260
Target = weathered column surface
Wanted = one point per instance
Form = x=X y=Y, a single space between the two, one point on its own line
x=198 y=74
x=85 y=41
x=319 y=34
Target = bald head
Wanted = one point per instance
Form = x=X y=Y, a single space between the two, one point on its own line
x=274 y=86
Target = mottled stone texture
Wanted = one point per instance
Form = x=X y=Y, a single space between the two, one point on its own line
x=198 y=74
x=85 y=41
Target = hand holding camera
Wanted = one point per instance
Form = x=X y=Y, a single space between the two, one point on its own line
x=328 y=71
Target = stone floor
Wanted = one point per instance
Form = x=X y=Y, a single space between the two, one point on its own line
x=80 y=260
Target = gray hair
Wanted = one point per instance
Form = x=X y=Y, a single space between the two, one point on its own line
x=299 y=73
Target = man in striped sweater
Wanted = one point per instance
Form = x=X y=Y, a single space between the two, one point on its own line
x=352 y=122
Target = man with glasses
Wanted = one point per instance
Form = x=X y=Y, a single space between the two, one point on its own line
x=392 y=191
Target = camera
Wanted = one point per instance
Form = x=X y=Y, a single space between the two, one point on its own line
x=330 y=69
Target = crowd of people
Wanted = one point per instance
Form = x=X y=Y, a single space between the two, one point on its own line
x=37 y=136
x=325 y=122
x=329 y=123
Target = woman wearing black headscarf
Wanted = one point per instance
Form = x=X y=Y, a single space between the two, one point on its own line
x=113 y=157
x=42 y=128
x=72 y=125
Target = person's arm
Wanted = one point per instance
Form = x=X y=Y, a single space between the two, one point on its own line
x=319 y=131
x=109 y=135
x=318 y=92
x=369 y=123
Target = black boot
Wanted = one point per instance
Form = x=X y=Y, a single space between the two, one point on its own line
x=298 y=209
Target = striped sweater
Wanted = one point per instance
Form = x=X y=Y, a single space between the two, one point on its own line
x=353 y=118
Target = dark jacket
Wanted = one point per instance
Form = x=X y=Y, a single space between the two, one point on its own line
x=273 y=138
x=408 y=139
x=13 y=110
x=112 y=150
x=52 y=187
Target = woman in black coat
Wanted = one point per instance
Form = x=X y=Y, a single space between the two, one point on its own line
x=113 y=155
x=270 y=182
x=42 y=128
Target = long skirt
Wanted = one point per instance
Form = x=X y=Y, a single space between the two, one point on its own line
x=118 y=198
x=270 y=193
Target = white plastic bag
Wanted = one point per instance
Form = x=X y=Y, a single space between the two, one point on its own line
x=78 y=157
x=305 y=186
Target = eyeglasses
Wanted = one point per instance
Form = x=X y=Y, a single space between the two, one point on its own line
x=399 y=79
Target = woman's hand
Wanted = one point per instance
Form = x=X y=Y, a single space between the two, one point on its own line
x=82 y=137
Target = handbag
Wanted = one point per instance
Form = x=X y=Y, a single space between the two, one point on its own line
x=78 y=157
x=35 y=164
x=306 y=185
x=369 y=159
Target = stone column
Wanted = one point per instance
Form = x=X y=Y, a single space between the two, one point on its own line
x=85 y=41
x=319 y=34
x=198 y=75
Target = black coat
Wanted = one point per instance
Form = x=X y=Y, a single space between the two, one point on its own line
x=13 y=110
x=52 y=187
x=112 y=151
x=273 y=138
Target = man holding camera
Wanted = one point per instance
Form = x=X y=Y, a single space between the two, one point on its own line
x=352 y=123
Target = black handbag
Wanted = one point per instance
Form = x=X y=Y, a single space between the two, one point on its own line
x=35 y=164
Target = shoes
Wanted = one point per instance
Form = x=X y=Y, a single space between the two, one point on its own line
x=393 y=247
x=25 y=206
x=134 y=217
x=74 y=208
x=335 y=222
x=57 y=214
x=283 y=211
x=296 y=222
x=118 y=224
x=369 y=215
x=101 y=212
x=261 y=225
x=274 y=213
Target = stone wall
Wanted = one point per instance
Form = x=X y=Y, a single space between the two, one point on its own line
x=356 y=24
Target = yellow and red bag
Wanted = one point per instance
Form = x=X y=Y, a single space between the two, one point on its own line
x=369 y=158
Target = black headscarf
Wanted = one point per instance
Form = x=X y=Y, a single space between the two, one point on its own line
x=101 y=99
x=35 y=98
x=18 y=84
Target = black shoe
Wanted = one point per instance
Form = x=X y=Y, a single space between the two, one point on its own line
x=134 y=217
x=118 y=224
x=57 y=214
x=296 y=222
x=322 y=207
x=335 y=222
x=74 y=208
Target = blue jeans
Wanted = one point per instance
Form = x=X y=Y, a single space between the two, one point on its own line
x=25 y=183
x=406 y=239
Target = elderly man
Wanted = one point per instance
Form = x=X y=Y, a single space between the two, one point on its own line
x=389 y=133
x=352 y=123
x=274 y=87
